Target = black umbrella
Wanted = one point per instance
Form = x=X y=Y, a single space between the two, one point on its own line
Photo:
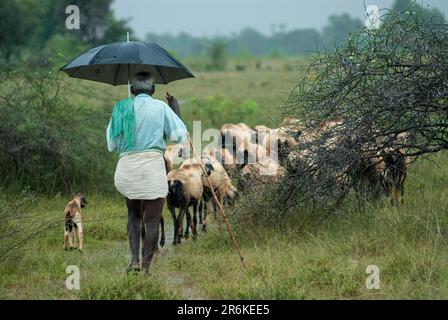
x=117 y=62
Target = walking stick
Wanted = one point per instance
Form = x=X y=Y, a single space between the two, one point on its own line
x=221 y=210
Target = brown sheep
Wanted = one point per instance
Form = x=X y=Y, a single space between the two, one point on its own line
x=234 y=136
x=265 y=171
x=260 y=132
x=222 y=186
x=184 y=190
x=224 y=157
x=278 y=144
x=221 y=183
x=173 y=153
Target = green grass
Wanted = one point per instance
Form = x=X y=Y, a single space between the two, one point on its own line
x=309 y=258
x=299 y=257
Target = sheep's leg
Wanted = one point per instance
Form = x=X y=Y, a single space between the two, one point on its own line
x=201 y=210
x=206 y=213
x=134 y=229
x=194 y=225
x=180 y=224
x=187 y=227
x=173 y=215
x=392 y=194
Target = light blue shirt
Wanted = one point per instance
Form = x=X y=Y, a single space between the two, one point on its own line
x=155 y=123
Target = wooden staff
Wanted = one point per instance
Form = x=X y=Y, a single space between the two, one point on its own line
x=221 y=210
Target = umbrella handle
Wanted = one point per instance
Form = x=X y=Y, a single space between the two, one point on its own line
x=129 y=82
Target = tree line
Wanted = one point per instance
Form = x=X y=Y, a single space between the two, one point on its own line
x=35 y=31
x=293 y=42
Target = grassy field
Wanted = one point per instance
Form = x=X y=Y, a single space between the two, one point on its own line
x=305 y=256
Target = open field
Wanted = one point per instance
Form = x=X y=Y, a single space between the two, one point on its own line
x=305 y=256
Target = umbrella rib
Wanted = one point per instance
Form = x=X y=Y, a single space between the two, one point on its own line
x=116 y=75
x=161 y=75
x=138 y=52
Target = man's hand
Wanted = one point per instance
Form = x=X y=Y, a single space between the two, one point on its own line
x=172 y=102
x=170 y=98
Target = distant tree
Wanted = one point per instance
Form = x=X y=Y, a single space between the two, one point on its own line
x=338 y=29
x=183 y=43
x=282 y=41
x=116 y=30
x=251 y=41
x=218 y=55
x=297 y=42
x=18 y=25
x=401 y=5
x=98 y=22
x=28 y=25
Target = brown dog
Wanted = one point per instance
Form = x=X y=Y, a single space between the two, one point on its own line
x=73 y=225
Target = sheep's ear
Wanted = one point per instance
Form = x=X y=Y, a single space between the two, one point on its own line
x=209 y=168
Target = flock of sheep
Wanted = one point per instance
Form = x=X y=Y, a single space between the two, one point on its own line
x=252 y=156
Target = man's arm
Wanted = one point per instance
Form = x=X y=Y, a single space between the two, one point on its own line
x=174 y=128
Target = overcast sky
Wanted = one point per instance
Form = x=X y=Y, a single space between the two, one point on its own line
x=222 y=17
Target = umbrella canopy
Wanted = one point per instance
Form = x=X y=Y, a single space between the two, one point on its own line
x=117 y=62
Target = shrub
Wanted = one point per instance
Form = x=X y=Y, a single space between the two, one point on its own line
x=218 y=55
x=46 y=141
x=19 y=225
x=381 y=94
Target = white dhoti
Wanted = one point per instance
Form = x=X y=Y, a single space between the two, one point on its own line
x=141 y=175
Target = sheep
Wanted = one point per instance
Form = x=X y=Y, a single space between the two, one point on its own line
x=185 y=189
x=278 y=144
x=250 y=153
x=220 y=182
x=228 y=162
x=172 y=153
x=290 y=122
x=245 y=127
x=383 y=172
x=396 y=165
x=261 y=128
x=262 y=172
x=260 y=132
x=224 y=157
x=222 y=186
x=233 y=136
